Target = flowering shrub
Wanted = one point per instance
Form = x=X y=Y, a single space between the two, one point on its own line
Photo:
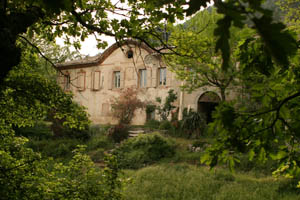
x=125 y=105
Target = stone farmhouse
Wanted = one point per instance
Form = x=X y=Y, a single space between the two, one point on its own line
x=96 y=80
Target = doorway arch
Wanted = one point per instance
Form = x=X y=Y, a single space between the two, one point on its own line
x=207 y=103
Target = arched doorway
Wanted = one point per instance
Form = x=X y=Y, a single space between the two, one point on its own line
x=207 y=103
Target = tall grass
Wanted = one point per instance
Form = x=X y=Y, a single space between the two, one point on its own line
x=183 y=181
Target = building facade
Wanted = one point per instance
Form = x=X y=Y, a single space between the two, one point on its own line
x=95 y=81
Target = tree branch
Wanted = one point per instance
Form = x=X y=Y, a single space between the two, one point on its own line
x=43 y=56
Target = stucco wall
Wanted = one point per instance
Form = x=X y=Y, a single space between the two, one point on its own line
x=98 y=100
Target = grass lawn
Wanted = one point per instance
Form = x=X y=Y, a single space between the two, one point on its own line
x=189 y=182
x=177 y=177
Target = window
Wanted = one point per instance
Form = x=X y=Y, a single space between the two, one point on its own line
x=117 y=79
x=143 y=78
x=67 y=82
x=162 y=76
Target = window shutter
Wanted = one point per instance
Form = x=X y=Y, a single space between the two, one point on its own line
x=154 y=77
x=81 y=80
x=96 y=80
x=110 y=80
x=122 y=79
x=149 y=77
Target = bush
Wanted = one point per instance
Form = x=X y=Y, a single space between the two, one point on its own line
x=145 y=149
x=164 y=109
x=58 y=148
x=97 y=155
x=165 y=125
x=125 y=105
x=118 y=132
x=193 y=123
x=41 y=130
x=152 y=124
x=96 y=130
x=99 y=141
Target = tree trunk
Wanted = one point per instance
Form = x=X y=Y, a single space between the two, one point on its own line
x=223 y=96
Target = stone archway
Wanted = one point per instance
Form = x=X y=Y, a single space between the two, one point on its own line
x=207 y=103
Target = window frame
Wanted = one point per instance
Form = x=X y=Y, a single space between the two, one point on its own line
x=67 y=81
x=117 y=79
x=162 y=76
x=143 y=78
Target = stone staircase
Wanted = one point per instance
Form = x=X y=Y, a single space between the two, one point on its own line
x=133 y=132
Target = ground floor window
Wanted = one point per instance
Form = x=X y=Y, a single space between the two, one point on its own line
x=162 y=76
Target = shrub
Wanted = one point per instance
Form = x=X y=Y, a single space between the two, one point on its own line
x=118 y=132
x=74 y=123
x=152 y=124
x=99 y=141
x=150 y=111
x=61 y=147
x=97 y=155
x=95 y=130
x=145 y=149
x=124 y=106
x=41 y=130
x=165 y=109
x=165 y=125
x=193 y=123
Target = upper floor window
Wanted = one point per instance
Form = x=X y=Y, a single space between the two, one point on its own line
x=117 y=79
x=143 y=78
x=162 y=76
x=67 y=82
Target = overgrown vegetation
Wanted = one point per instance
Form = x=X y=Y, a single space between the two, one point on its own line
x=193 y=123
x=269 y=74
x=165 y=107
x=140 y=151
x=118 y=132
x=183 y=181
x=124 y=106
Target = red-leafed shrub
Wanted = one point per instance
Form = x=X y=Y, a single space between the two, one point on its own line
x=125 y=105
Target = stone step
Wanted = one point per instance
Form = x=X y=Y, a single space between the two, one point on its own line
x=133 y=135
x=136 y=131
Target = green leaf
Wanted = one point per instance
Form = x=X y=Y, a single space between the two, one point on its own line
x=251 y=154
x=195 y=5
x=279 y=155
x=223 y=34
x=279 y=41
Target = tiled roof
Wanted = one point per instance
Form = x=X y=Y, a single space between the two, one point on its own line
x=100 y=58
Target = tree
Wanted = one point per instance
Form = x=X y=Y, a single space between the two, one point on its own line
x=166 y=107
x=124 y=107
x=290 y=8
x=27 y=96
x=50 y=19
x=266 y=126
x=22 y=19
x=200 y=65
